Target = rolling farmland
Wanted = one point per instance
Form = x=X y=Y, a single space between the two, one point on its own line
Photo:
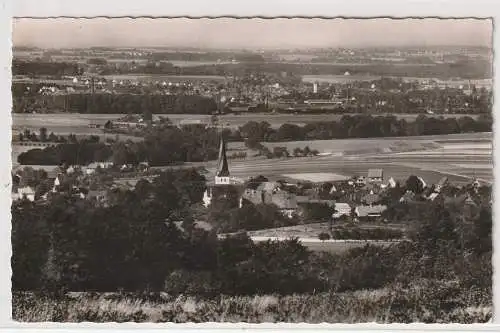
x=78 y=123
x=460 y=157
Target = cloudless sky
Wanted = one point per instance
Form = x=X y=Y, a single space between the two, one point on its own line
x=250 y=33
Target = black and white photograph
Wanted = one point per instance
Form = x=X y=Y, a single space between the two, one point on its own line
x=252 y=170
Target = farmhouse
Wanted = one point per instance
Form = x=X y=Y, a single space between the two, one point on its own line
x=369 y=212
x=270 y=193
x=286 y=203
x=26 y=192
x=360 y=181
x=375 y=176
x=341 y=210
x=256 y=197
x=92 y=167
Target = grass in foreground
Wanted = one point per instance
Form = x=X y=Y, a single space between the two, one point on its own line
x=426 y=301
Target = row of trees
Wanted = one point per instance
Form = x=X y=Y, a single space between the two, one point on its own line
x=115 y=103
x=363 y=126
x=44 y=136
x=161 y=146
x=135 y=245
x=77 y=152
x=40 y=68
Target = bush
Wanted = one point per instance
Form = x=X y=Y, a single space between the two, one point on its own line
x=324 y=236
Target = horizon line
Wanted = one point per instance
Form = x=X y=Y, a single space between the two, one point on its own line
x=228 y=48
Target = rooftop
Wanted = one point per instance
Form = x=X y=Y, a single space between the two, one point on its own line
x=375 y=173
x=363 y=211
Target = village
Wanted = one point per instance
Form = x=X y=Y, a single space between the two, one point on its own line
x=353 y=200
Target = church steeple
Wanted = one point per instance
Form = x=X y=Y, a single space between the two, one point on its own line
x=222 y=166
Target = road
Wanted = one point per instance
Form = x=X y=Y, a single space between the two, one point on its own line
x=332 y=245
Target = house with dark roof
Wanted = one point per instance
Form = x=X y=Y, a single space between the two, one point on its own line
x=360 y=181
x=256 y=197
x=286 y=203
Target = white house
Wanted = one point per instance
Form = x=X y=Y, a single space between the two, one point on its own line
x=391 y=183
x=341 y=209
x=26 y=192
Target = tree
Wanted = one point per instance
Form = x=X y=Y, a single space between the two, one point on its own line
x=297 y=152
x=318 y=212
x=481 y=240
x=280 y=152
x=414 y=184
x=43 y=134
x=436 y=234
x=53 y=137
x=324 y=236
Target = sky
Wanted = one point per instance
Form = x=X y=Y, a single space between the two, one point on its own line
x=250 y=33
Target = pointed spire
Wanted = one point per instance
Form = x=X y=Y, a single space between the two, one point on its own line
x=222 y=165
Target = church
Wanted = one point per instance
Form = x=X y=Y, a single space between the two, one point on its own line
x=223 y=184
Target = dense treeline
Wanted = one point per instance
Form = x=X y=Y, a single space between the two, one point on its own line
x=161 y=146
x=364 y=126
x=226 y=217
x=135 y=246
x=40 y=68
x=73 y=153
x=115 y=103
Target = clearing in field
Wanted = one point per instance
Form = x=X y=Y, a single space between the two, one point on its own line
x=318 y=177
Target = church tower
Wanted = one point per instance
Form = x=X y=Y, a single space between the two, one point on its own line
x=222 y=171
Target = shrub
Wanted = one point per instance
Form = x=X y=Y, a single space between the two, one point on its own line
x=324 y=236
